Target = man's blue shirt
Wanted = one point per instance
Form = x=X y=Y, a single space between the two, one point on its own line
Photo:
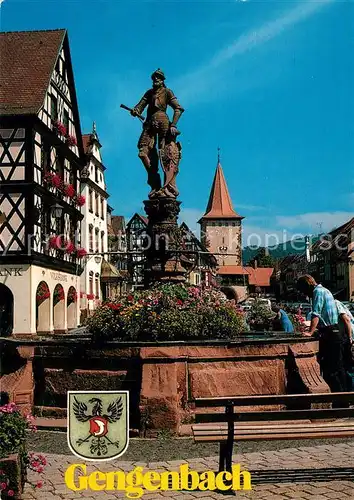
x=324 y=306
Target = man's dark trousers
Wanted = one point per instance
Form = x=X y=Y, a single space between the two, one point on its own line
x=335 y=359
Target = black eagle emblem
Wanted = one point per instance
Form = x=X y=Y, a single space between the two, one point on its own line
x=98 y=423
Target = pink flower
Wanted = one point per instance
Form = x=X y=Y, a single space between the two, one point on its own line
x=81 y=252
x=71 y=140
x=39 y=484
x=60 y=127
x=3 y=486
x=57 y=181
x=70 y=247
x=81 y=200
x=2 y=472
x=11 y=493
x=69 y=190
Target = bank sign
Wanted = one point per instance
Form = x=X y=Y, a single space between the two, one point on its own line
x=11 y=271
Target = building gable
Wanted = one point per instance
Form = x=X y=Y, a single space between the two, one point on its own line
x=59 y=110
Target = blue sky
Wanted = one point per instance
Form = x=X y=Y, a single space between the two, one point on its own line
x=271 y=83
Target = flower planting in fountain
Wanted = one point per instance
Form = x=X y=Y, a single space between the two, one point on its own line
x=299 y=322
x=260 y=317
x=15 y=461
x=168 y=312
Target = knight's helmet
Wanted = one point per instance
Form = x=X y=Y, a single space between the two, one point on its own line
x=159 y=73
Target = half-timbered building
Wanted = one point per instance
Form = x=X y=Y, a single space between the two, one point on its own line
x=41 y=157
x=204 y=263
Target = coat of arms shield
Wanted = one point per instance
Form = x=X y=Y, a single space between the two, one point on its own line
x=98 y=424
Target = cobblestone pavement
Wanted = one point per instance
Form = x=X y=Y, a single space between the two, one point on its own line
x=339 y=455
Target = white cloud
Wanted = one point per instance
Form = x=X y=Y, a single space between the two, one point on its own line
x=251 y=208
x=205 y=75
x=314 y=221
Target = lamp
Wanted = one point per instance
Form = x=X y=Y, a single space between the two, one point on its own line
x=57 y=211
x=98 y=259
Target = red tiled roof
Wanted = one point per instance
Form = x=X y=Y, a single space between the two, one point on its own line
x=27 y=61
x=219 y=204
x=232 y=270
x=258 y=277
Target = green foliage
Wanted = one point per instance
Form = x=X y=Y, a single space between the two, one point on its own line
x=263 y=258
x=168 y=312
x=13 y=432
x=13 y=428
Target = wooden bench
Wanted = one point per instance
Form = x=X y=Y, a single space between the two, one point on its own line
x=288 y=423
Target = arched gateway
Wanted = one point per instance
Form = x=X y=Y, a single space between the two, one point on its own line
x=59 y=309
x=43 y=308
x=6 y=311
x=72 y=308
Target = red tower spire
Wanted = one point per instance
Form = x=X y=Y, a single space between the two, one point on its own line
x=220 y=204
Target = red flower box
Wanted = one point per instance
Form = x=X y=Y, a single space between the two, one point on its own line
x=90 y=296
x=48 y=178
x=53 y=180
x=81 y=252
x=71 y=140
x=57 y=181
x=55 y=242
x=69 y=191
x=70 y=247
x=59 y=127
x=80 y=200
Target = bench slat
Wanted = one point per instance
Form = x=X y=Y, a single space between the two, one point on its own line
x=277 y=415
x=273 y=436
x=273 y=431
x=280 y=425
x=275 y=399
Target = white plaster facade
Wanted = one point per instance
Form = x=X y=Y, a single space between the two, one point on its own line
x=94 y=227
x=29 y=318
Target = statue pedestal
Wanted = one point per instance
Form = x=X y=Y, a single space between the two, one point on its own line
x=163 y=238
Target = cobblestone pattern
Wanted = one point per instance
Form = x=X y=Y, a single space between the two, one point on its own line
x=339 y=455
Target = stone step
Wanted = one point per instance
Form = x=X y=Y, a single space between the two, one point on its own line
x=58 y=424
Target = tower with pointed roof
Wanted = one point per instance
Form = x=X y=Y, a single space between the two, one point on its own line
x=221 y=225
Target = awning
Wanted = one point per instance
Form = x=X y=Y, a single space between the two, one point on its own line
x=109 y=273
